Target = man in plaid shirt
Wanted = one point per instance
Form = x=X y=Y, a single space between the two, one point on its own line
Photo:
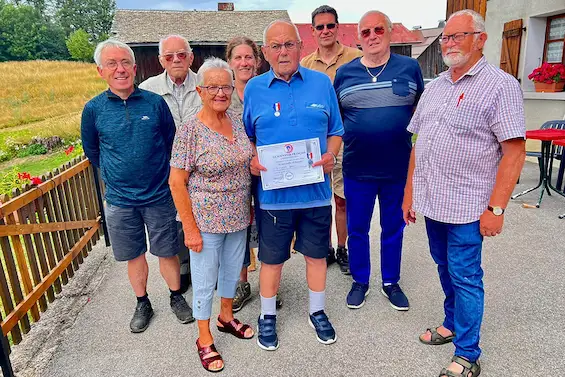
x=463 y=168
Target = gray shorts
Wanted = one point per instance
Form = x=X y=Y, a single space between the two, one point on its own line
x=127 y=230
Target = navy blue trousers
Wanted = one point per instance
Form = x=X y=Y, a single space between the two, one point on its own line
x=361 y=197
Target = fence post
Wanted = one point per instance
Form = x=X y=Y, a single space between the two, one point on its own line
x=101 y=205
x=5 y=363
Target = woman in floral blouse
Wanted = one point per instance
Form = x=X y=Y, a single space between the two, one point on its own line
x=210 y=182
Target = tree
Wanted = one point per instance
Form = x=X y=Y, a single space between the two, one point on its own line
x=25 y=35
x=79 y=45
x=93 y=16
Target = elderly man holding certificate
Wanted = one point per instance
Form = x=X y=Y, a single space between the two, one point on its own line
x=291 y=114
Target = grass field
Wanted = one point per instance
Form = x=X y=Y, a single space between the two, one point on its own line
x=37 y=90
x=42 y=98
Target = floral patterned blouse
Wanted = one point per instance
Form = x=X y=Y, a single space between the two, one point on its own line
x=220 y=181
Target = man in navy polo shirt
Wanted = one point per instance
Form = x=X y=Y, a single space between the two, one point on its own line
x=291 y=103
x=128 y=133
x=377 y=95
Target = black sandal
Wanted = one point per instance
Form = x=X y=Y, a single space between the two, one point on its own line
x=436 y=338
x=468 y=367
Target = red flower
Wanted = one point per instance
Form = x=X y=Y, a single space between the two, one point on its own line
x=24 y=175
x=548 y=73
x=36 y=181
x=69 y=150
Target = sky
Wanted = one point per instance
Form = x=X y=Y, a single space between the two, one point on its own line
x=409 y=12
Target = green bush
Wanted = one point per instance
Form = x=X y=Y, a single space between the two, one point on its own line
x=32 y=150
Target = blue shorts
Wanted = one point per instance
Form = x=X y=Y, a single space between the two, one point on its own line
x=126 y=226
x=277 y=228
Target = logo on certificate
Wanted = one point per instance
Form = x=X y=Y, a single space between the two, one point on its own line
x=288 y=148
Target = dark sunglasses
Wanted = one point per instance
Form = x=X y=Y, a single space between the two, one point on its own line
x=379 y=30
x=321 y=27
x=171 y=57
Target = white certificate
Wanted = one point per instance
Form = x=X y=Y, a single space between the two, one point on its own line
x=290 y=164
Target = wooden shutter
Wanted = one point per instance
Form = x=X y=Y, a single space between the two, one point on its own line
x=511 y=42
x=479 y=6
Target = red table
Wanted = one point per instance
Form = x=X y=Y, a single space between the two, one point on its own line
x=546 y=137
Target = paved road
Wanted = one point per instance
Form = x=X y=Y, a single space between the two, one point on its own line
x=523 y=329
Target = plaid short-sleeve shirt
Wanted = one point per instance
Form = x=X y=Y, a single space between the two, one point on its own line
x=460 y=126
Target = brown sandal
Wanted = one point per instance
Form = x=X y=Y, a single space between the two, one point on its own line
x=204 y=351
x=469 y=368
x=231 y=328
x=436 y=338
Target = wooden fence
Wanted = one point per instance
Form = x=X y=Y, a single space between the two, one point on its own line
x=46 y=231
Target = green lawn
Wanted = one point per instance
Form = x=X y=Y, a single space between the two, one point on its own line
x=34 y=165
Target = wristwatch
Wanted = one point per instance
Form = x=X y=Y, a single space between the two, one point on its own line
x=497 y=211
x=334 y=156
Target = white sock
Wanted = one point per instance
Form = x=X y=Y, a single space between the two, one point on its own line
x=268 y=306
x=317 y=301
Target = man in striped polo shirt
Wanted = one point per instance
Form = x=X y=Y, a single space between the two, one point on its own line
x=377 y=94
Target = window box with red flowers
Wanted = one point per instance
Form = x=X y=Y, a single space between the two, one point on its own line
x=549 y=78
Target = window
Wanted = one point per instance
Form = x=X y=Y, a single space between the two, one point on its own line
x=554 y=49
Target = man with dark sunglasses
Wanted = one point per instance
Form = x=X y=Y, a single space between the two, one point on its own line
x=328 y=57
x=377 y=94
x=177 y=86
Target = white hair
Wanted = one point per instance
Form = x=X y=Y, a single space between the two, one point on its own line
x=162 y=40
x=276 y=22
x=371 y=12
x=478 y=20
x=212 y=63
x=111 y=43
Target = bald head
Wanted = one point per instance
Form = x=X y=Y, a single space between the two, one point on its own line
x=282 y=48
x=373 y=13
x=278 y=24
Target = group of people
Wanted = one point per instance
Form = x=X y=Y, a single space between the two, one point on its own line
x=178 y=156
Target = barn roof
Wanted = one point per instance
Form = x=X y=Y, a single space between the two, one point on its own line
x=199 y=27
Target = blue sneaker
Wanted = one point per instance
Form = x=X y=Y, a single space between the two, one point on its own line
x=357 y=294
x=267 y=338
x=397 y=298
x=325 y=332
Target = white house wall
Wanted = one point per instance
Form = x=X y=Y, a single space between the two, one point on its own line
x=539 y=107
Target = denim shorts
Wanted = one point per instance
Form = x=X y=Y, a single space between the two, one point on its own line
x=278 y=227
x=126 y=226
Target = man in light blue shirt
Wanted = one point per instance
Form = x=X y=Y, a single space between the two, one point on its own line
x=286 y=104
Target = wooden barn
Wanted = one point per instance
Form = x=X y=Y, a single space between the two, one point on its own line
x=207 y=32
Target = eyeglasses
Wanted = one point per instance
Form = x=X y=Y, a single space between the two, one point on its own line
x=213 y=89
x=379 y=30
x=457 y=37
x=276 y=47
x=321 y=27
x=170 y=57
x=113 y=64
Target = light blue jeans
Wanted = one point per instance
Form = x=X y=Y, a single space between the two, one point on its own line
x=219 y=261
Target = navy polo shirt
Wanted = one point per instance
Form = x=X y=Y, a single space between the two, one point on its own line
x=308 y=109
x=375 y=117
x=131 y=141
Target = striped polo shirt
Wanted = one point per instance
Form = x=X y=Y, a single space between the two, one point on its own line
x=375 y=116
